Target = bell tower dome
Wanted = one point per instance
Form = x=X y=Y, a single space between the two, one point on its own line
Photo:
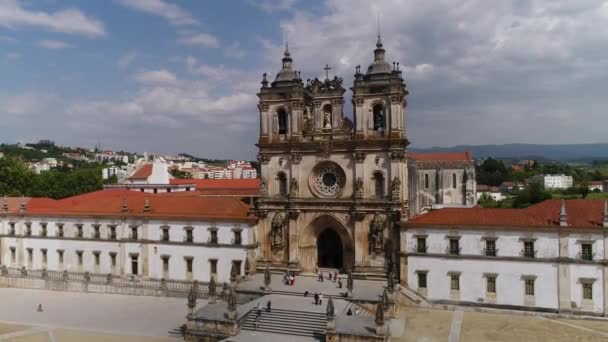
x=379 y=99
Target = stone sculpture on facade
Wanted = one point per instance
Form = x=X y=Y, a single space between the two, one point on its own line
x=293 y=187
x=396 y=189
x=263 y=190
x=358 y=188
x=376 y=233
x=278 y=230
x=267 y=279
x=326 y=119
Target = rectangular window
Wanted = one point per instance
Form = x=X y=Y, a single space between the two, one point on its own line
x=422 y=280
x=587 y=251
x=213 y=237
x=426 y=180
x=165 y=263
x=454 y=247
x=134 y=264
x=213 y=266
x=237 y=266
x=421 y=245
x=112 y=232
x=79 y=257
x=189 y=235
x=79 y=233
x=12 y=229
x=188 y=264
x=529 y=283
x=96 y=233
x=529 y=249
x=165 y=233
x=13 y=255
x=588 y=291
x=491 y=284
x=60 y=229
x=43 y=229
x=453 y=181
x=28 y=229
x=237 y=237
x=490 y=247
x=134 y=233
x=43 y=252
x=113 y=259
x=455 y=282
x=30 y=256
x=60 y=256
x=96 y=254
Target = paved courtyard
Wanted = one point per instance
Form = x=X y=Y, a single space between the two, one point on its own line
x=69 y=316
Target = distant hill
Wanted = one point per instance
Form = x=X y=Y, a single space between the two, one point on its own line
x=566 y=152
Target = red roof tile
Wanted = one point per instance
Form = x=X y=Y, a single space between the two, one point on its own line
x=221 y=184
x=143 y=172
x=110 y=202
x=580 y=214
x=442 y=156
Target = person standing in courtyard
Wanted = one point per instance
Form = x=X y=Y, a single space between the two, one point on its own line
x=39 y=307
x=268 y=306
x=316 y=298
x=320 y=299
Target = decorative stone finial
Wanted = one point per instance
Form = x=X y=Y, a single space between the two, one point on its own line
x=147 y=207
x=247 y=266
x=349 y=282
x=563 y=217
x=267 y=278
x=605 y=224
x=331 y=310
x=379 y=314
x=264 y=81
x=231 y=301
x=212 y=286
x=22 y=204
x=233 y=273
x=385 y=298
x=4 y=204
x=192 y=299
x=125 y=205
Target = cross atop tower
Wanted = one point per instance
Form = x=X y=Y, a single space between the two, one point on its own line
x=327 y=68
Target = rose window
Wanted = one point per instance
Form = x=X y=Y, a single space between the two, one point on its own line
x=327 y=180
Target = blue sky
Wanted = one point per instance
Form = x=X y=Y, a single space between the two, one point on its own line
x=181 y=76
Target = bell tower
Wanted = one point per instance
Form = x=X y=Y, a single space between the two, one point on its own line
x=379 y=99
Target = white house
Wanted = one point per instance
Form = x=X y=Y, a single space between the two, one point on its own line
x=125 y=233
x=489 y=191
x=547 y=257
x=558 y=181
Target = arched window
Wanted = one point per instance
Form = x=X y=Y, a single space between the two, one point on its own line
x=282 y=121
x=282 y=184
x=454 y=180
x=379 y=184
x=379 y=117
x=426 y=180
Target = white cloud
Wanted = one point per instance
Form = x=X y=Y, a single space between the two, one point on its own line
x=19 y=104
x=125 y=60
x=235 y=51
x=71 y=21
x=13 y=55
x=173 y=13
x=54 y=44
x=201 y=39
x=270 y=6
x=156 y=77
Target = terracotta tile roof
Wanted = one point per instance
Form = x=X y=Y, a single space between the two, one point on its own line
x=487 y=188
x=234 y=187
x=580 y=214
x=442 y=156
x=110 y=202
x=143 y=172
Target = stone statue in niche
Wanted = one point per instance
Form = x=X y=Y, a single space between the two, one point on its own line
x=262 y=187
x=395 y=188
x=277 y=230
x=293 y=187
x=376 y=233
x=358 y=188
x=326 y=119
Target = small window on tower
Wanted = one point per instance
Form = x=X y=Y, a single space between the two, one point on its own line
x=282 y=121
x=454 y=180
x=378 y=118
x=379 y=185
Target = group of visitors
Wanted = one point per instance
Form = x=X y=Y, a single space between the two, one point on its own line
x=330 y=276
x=289 y=278
x=258 y=314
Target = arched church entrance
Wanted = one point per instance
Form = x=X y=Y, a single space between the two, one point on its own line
x=326 y=243
x=329 y=250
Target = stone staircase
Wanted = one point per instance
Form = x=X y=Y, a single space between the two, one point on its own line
x=362 y=311
x=287 y=322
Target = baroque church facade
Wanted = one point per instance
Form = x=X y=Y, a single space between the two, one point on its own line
x=334 y=192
